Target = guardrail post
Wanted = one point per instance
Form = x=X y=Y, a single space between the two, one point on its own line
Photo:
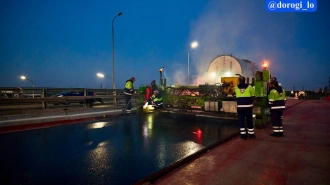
x=44 y=103
x=114 y=99
x=85 y=94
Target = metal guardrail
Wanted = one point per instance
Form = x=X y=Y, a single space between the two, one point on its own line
x=41 y=98
x=18 y=92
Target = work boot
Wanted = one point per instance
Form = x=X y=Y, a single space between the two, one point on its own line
x=243 y=137
x=275 y=134
x=281 y=134
x=252 y=136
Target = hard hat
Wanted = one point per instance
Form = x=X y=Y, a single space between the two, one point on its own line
x=156 y=91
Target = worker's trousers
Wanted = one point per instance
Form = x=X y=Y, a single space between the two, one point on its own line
x=277 y=116
x=128 y=103
x=245 y=114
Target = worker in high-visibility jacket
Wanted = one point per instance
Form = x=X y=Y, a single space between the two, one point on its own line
x=128 y=92
x=277 y=98
x=156 y=100
x=270 y=88
x=244 y=97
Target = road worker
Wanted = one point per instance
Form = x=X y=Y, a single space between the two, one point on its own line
x=129 y=91
x=156 y=100
x=277 y=98
x=244 y=97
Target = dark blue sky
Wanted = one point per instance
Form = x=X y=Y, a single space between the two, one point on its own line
x=64 y=43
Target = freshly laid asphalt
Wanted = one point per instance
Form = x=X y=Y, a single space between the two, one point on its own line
x=301 y=156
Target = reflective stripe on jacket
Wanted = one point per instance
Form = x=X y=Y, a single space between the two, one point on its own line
x=157 y=99
x=277 y=98
x=244 y=94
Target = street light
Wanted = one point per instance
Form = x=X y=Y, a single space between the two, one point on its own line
x=192 y=45
x=24 y=78
x=113 y=53
x=102 y=75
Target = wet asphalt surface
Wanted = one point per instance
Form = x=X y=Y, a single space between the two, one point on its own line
x=119 y=150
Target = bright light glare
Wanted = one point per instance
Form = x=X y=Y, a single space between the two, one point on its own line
x=189 y=147
x=98 y=124
x=212 y=75
x=23 y=77
x=264 y=65
x=100 y=75
x=194 y=44
x=227 y=73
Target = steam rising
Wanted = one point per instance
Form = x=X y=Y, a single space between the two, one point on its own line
x=237 y=28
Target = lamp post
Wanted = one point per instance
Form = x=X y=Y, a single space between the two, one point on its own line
x=113 y=53
x=192 y=45
x=24 y=78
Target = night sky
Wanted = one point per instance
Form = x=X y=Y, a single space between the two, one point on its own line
x=65 y=43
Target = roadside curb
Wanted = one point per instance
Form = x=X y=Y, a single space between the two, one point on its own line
x=37 y=121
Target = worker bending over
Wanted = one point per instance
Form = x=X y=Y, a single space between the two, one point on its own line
x=156 y=100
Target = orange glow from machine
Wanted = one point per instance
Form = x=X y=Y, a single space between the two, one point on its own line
x=264 y=65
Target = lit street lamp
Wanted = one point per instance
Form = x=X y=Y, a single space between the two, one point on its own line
x=24 y=78
x=102 y=75
x=192 y=45
x=113 y=53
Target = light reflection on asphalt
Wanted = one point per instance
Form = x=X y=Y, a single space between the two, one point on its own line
x=119 y=150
